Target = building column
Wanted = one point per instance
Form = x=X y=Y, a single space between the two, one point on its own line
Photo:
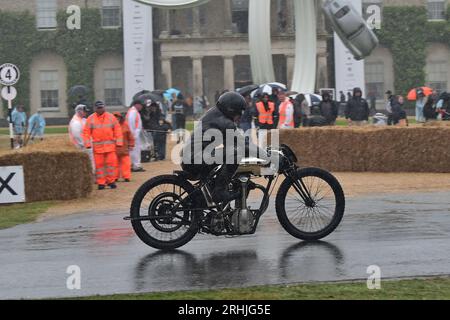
x=228 y=68
x=290 y=19
x=228 y=20
x=196 y=22
x=290 y=65
x=197 y=72
x=166 y=69
x=321 y=28
x=165 y=32
x=322 y=67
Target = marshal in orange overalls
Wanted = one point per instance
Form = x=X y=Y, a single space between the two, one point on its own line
x=103 y=134
x=123 y=152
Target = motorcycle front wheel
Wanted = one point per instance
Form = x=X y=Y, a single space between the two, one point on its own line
x=160 y=213
x=310 y=205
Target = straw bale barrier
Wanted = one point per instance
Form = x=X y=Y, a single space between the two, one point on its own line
x=373 y=149
x=53 y=170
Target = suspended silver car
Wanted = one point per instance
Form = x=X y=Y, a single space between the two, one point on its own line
x=350 y=27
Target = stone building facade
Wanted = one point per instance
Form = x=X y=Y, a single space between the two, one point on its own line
x=205 y=49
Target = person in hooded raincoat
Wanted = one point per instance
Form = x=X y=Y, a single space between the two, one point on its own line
x=76 y=128
x=19 y=120
x=357 y=110
x=134 y=121
x=36 y=126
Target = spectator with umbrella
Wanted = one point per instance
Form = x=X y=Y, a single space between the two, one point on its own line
x=420 y=105
x=420 y=95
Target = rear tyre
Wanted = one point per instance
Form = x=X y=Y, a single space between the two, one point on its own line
x=316 y=219
x=162 y=203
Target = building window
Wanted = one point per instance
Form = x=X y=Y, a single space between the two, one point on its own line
x=436 y=10
x=282 y=16
x=240 y=16
x=49 y=89
x=46 y=14
x=113 y=87
x=375 y=79
x=111 y=13
x=437 y=75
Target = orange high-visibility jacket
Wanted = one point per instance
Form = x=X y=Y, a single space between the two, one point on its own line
x=104 y=131
x=128 y=141
x=283 y=114
x=265 y=116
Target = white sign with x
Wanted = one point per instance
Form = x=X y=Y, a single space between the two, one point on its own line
x=12 y=185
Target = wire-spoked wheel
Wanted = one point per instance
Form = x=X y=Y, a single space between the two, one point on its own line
x=311 y=205
x=160 y=213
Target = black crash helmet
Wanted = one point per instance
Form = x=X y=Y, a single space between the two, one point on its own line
x=231 y=104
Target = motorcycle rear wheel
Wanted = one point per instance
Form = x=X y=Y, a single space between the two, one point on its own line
x=154 y=201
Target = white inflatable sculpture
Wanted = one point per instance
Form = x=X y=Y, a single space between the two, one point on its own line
x=343 y=17
x=173 y=4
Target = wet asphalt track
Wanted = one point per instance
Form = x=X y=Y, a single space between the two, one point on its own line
x=405 y=235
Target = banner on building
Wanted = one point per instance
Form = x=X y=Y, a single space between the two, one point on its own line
x=138 y=48
x=349 y=72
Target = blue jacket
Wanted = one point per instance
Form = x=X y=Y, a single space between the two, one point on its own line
x=19 y=119
x=36 y=124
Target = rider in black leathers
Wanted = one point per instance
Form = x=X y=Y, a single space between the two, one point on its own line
x=224 y=116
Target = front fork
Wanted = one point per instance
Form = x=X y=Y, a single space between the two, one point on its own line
x=300 y=187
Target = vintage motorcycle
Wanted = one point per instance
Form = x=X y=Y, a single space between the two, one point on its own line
x=168 y=211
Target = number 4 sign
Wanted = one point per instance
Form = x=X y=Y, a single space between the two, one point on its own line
x=9 y=74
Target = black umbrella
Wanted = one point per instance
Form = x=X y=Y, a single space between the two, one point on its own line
x=247 y=89
x=149 y=96
x=159 y=92
x=78 y=90
x=140 y=93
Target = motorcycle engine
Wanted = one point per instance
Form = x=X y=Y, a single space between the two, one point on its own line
x=243 y=221
x=243 y=218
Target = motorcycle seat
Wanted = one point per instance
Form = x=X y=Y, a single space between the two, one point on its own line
x=186 y=175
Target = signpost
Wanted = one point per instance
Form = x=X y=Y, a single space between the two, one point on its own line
x=9 y=76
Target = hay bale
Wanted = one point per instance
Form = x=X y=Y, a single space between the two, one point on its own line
x=53 y=170
x=372 y=149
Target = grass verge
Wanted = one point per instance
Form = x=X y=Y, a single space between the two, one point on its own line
x=48 y=130
x=12 y=215
x=416 y=289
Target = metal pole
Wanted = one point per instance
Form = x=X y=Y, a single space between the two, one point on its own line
x=11 y=131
